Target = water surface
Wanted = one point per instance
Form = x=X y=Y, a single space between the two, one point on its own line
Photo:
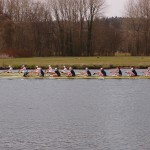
x=74 y=114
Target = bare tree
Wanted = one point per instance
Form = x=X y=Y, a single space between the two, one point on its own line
x=138 y=12
x=93 y=9
x=60 y=28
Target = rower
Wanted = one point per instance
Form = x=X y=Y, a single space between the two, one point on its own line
x=10 y=70
x=42 y=72
x=50 y=69
x=87 y=71
x=147 y=72
x=65 y=70
x=56 y=73
x=71 y=72
x=102 y=72
x=132 y=73
x=39 y=71
x=117 y=72
x=24 y=70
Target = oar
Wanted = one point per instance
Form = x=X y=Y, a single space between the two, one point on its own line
x=3 y=72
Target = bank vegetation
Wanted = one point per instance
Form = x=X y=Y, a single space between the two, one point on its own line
x=72 y=28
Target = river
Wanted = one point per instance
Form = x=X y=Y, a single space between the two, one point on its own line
x=74 y=114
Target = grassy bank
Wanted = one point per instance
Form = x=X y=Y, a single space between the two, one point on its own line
x=78 y=62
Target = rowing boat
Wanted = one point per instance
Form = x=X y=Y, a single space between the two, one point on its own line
x=79 y=76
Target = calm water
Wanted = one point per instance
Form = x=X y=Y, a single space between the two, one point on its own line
x=74 y=114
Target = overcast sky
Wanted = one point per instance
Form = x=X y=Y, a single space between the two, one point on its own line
x=115 y=8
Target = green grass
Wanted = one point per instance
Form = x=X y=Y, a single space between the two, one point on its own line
x=78 y=62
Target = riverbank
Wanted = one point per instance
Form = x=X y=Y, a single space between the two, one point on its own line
x=77 y=62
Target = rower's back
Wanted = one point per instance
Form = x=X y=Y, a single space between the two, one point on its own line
x=73 y=73
x=134 y=72
x=103 y=72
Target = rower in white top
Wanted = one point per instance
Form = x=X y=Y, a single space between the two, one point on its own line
x=147 y=72
x=65 y=70
x=10 y=70
x=50 y=70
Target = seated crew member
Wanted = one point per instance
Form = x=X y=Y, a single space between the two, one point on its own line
x=10 y=70
x=39 y=71
x=71 y=72
x=102 y=72
x=36 y=70
x=56 y=73
x=88 y=72
x=147 y=72
x=65 y=70
x=24 y=71
x=132 y=73
x=117 y=72
x=50 y=69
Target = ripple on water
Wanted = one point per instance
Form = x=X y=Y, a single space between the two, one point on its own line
x=74 y=114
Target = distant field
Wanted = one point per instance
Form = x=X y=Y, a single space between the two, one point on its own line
x=78 y=62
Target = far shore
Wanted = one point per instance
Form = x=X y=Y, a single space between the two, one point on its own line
x=139 y=62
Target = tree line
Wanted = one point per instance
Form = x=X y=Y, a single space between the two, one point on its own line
x=72 y=28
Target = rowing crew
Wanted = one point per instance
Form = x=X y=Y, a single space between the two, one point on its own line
x=118 y=72
x=56 y=73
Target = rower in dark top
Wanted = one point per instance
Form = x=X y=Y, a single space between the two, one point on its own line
x=42 y=72
x=102 y=72
x=39 y=71
x=133 y=72
x=88 y=73
x=71 y=72
x=57 y=73
x=118 y=71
